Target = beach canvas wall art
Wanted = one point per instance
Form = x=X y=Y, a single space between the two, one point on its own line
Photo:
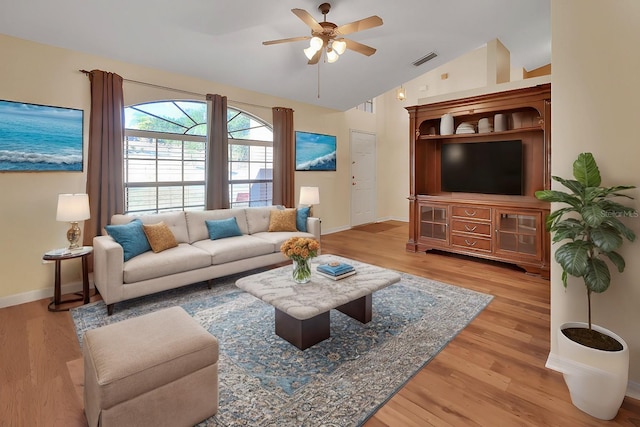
x=40 y=138
x=315 y=152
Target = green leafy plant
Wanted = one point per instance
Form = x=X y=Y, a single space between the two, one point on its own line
x=591 y=225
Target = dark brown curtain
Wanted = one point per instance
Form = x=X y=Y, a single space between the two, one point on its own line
x=106 y=135
x=283 y=157
x=217 y=177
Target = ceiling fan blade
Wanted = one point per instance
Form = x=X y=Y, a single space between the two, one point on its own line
x=359 y=47
x=363 y=24
x=315 y=58
x=291 y=39
x=307 y=19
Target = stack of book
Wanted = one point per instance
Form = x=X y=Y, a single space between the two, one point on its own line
x=336 y=270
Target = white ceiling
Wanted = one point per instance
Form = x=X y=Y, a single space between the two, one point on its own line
x=221 y=40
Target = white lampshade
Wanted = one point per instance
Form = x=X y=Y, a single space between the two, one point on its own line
x=73 y=207
x=309 y=196
x=332 y=56
x=316 y=43
x=339 y=46
x=309 y=52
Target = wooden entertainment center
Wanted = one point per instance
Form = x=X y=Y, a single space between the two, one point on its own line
x=507 y=228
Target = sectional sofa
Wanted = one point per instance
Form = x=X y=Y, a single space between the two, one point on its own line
x=151 y=253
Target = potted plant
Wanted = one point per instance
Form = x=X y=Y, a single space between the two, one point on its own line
x=593 y=360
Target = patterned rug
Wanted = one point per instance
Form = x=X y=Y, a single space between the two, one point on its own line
x=342 y=381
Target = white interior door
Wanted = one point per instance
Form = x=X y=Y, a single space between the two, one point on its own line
x=363 y=178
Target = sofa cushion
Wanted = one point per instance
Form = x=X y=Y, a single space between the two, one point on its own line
x=282 y=220
x=176 y=222
x=277 y=238
x=222 y=228
x=131 y=237
x=198 y=228
x=235 y=248
x=150 y=265
x=258 y=218
x=159 y=236
x=301 y=218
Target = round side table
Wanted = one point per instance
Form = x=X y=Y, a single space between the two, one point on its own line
x=59 y=255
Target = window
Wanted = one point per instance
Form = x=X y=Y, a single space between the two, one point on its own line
x=366 y=106
x=165 y=157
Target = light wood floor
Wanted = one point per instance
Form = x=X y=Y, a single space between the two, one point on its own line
x=491 y=374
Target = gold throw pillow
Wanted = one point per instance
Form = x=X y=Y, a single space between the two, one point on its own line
x=159 y=236
x=282 y=220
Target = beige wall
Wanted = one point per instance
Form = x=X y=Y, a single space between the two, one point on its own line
x=596 y=102
x=36 y=73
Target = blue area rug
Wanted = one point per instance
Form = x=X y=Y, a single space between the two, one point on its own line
x=342 y=381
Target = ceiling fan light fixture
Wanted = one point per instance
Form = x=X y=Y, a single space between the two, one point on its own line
x=309 y=52
x=332 y=56
x=339 y=46
x=316 y=43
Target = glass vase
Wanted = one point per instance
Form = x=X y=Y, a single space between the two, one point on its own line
x=301 y=270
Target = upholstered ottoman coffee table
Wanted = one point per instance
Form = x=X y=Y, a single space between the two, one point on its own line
x=302 y=310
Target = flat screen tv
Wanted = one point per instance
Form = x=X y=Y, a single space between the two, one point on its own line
x=482 y=167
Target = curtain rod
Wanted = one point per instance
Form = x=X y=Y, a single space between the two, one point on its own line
x=180 y=90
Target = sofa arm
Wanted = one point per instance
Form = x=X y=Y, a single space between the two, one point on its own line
x=313 y=227
x=108 y=268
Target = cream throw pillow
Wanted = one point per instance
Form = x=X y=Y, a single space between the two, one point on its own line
x=159 y=236
x=283 y=220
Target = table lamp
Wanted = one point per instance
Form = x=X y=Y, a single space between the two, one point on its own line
x=309 y=196
x=73 y=208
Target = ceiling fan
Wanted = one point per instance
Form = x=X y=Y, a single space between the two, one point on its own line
x=327 y=36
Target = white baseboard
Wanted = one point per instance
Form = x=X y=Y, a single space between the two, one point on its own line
x=555 y=363
x=392 y=218
x=31 y=296
x=336 y=229
x=348 y=227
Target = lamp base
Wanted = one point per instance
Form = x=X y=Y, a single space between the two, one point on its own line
x=73 y=235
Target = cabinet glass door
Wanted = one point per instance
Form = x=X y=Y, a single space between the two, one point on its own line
x=433 y=222
x=518 y=233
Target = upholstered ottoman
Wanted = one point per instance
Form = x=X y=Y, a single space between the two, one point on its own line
x=159 y=369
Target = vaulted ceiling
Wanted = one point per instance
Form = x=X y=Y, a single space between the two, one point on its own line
x=221 y=40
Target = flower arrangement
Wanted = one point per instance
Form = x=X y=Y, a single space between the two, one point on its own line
x=300 y=250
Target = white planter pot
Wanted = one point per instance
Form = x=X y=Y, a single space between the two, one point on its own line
x=597 y=380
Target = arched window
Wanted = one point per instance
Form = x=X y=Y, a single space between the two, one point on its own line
x=165 y=157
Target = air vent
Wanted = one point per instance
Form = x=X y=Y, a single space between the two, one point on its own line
x=425 y=58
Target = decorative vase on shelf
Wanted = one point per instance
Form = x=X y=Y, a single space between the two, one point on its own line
x=302 y=270
x=446 y=125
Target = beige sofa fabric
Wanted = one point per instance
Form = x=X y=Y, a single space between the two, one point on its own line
x=234 y=248
x=198 y=228
x=150 y=265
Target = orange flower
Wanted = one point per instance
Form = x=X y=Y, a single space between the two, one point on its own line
x=300 y=248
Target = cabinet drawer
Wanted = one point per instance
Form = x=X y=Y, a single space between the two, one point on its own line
x=471 y=243
x=471 y=212
x=480 y=228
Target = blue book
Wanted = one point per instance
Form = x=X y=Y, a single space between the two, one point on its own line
x=335 y=269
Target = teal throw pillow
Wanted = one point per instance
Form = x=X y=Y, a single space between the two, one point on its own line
x=222 y=228
x=301 y=218
x=131 y=237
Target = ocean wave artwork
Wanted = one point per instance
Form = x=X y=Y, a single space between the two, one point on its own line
x=38 y=138
x=315 y=152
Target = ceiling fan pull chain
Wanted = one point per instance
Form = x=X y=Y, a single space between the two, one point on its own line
x=318 y=79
